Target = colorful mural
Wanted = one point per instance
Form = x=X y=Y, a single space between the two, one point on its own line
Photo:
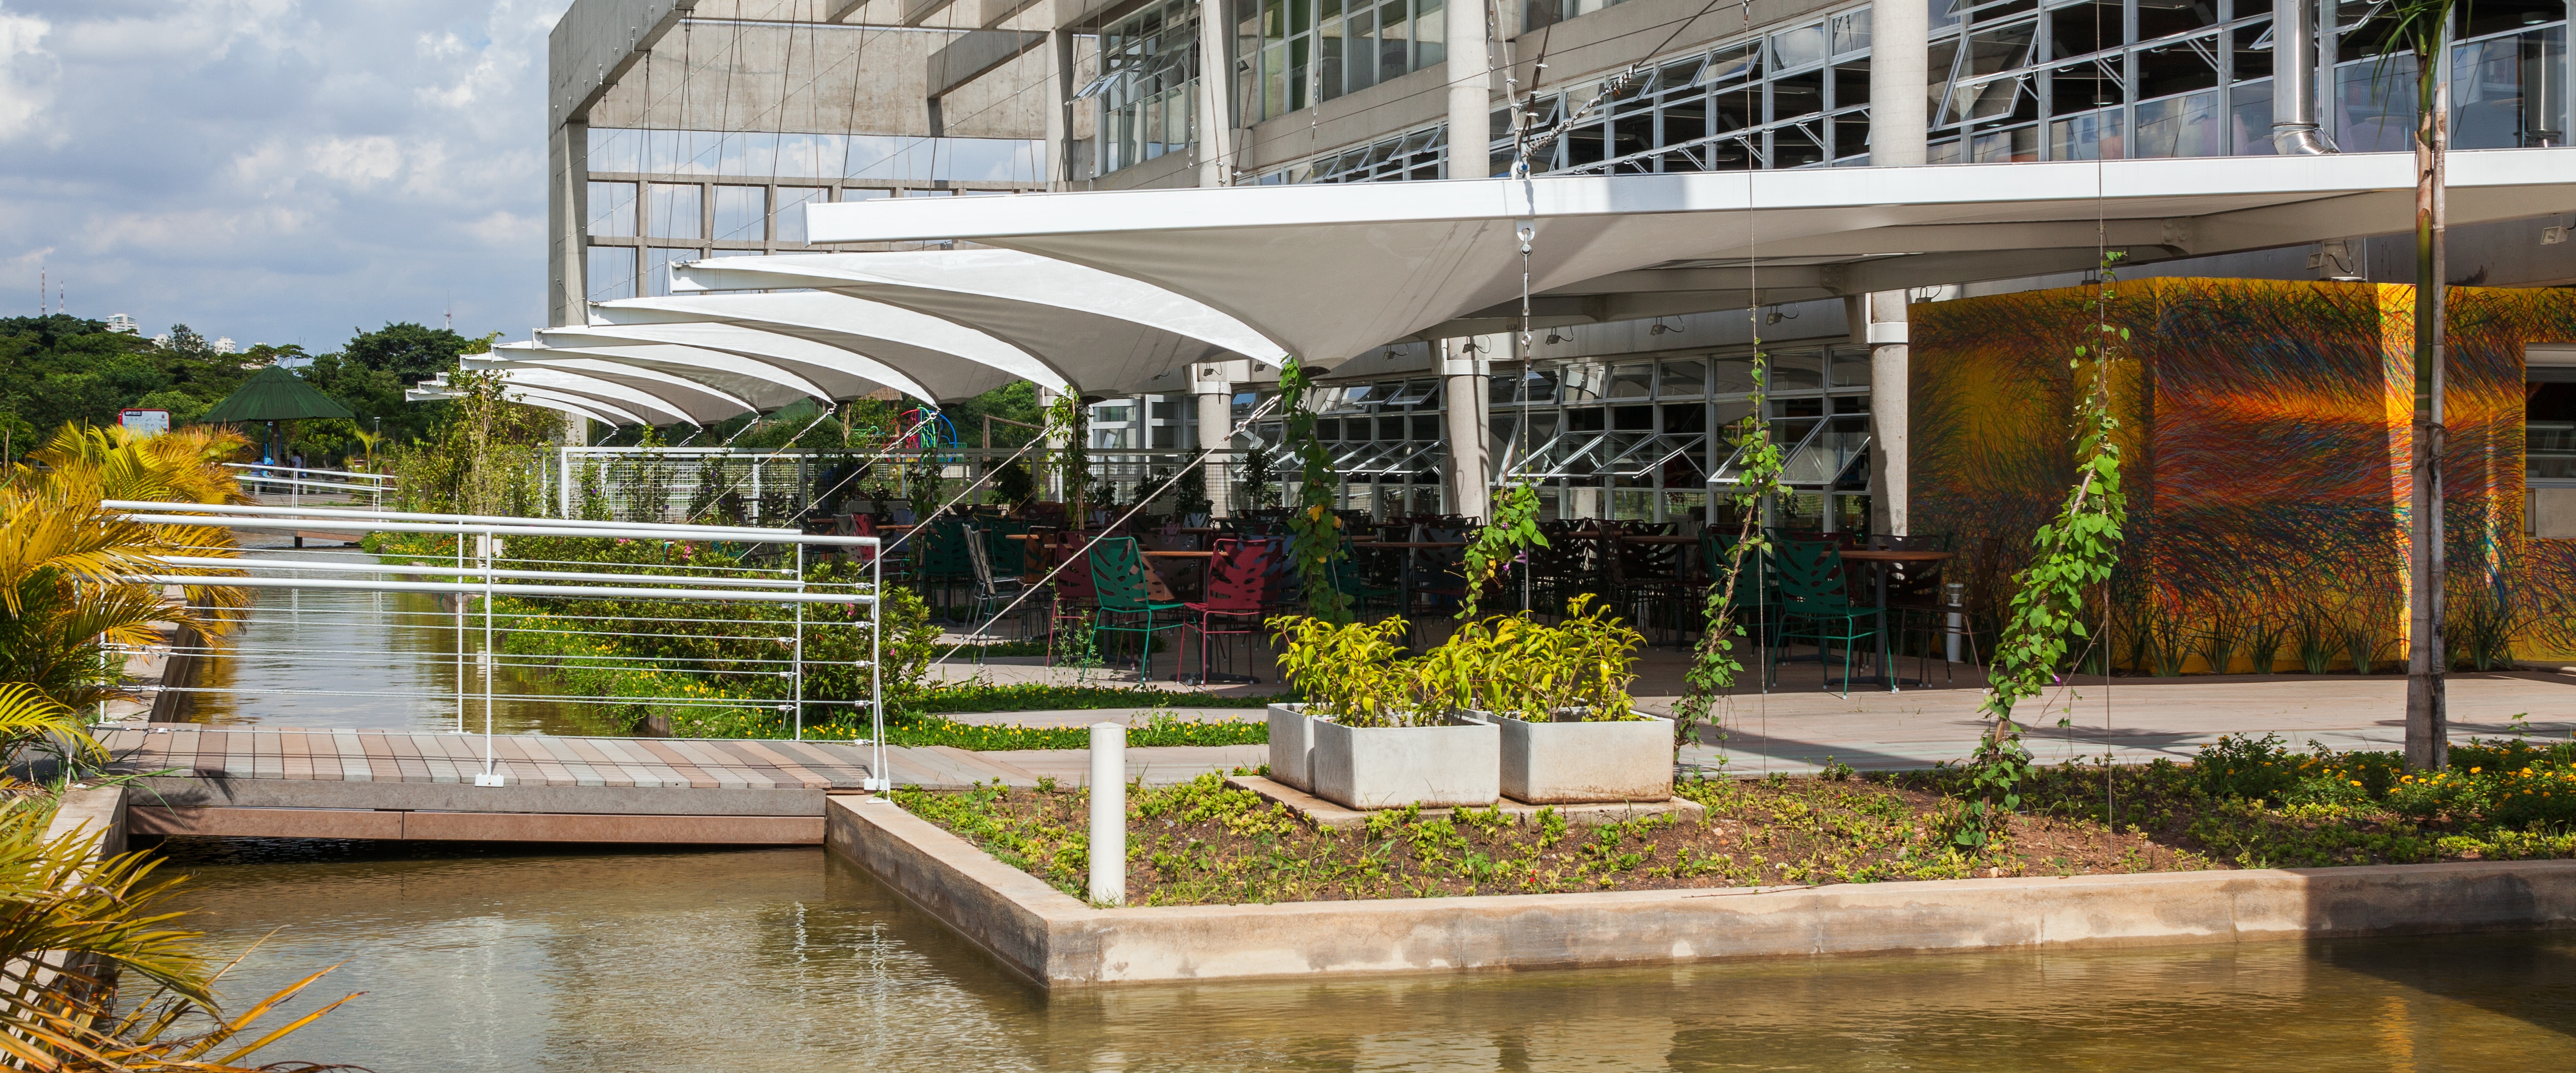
x=2267 y=428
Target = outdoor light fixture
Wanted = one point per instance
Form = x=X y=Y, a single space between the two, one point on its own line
x=1555 y=338
x=1661 y=327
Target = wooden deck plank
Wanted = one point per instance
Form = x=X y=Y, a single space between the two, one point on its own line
x=752 y=768
x=268 y=756
x=728 y=773
x=407 y=758
x=296 y=754
x=379 y=752
x=241 y=755
x=577 y=771
x=789 y=770
x=434 y=756
x=611 y=764
x=352 y=757
x=649 y=771
x=697 y=778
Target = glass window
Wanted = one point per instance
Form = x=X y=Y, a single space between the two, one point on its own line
x=1683 y=378
x=2179 y=127
x=2165 y=18
x=2180 y=67
x=742 y=214
x=1633 y=381
x=612 y=210
x=612 y=273
x=2375 y=110
x=671 y=210
x=1800 y=47
x=2510 y=92
x=790 y=225
x=2084 y=28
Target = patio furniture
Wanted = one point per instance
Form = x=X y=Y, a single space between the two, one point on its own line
x=1118 y=583
x=993 y=592
x=1815 y=607
x=1237 y=574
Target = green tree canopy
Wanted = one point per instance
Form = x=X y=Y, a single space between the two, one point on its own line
x=409 y=351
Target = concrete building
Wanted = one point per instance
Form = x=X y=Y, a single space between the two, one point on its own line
x=683 y=130
x=123 y=325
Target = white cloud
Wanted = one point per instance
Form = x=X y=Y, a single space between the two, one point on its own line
x=278 y=169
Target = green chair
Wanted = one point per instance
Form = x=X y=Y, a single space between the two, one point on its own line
x=1752 y=602
x=1815 y=605
x=1118 y=582
x=1353 y=582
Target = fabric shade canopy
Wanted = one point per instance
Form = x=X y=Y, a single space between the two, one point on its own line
x=1331 y=271
x=1095 y=330
x=275 y=394
x=437 y=388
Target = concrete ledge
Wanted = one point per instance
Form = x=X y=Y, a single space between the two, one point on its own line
x=1056 y=941
x=187 y=791
x=475 y=826
x=1325 y=814
x=100 y=810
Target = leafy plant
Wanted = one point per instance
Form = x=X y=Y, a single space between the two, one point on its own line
x=2362 y=640
x=1353 y=672
x=1714 y=665
x=1580 y=667
x=1014 y=484
x=2077 y=553
x=1317 y=529
x=1259 y=470
x=1502 y=540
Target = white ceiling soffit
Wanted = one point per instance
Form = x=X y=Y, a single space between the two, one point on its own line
x=659 y=407
x=1331 y=270
x=638 y=370
x=1104 y=332
x=949 y=360
x=732 y=352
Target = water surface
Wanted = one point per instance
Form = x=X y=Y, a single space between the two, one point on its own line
x=541 y=958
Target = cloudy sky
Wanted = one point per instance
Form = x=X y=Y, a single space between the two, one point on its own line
x=276 y=171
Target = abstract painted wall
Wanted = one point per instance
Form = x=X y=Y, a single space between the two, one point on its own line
x=2266 y=428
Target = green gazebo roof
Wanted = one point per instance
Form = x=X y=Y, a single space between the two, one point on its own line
x=275 y=395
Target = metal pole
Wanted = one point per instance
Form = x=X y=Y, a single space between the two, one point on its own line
x=798 y=685
x=1108 y=813
x=488 y=777
x=563 y=481
x=460 y=634
x=880 y=778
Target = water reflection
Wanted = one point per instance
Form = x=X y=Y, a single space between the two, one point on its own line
x=366 y=660
x=788 y=960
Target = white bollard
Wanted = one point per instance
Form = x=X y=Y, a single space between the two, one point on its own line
x=1108 y=813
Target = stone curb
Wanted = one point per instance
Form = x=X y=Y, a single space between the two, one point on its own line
x=1057 y=941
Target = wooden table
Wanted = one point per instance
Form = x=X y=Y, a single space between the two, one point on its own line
x=1881 y=559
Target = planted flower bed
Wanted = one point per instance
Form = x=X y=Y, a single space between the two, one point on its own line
x=2245 y=804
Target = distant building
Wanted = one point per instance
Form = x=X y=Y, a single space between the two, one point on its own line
x=225 y=345
x=122 y=324
x=162 y=340
x=293 y=361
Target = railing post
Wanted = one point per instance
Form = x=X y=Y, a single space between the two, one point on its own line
x=797 y=686
x=1108 y=813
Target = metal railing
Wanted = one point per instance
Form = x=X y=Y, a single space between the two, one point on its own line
x=298 y=480
x=724 y=615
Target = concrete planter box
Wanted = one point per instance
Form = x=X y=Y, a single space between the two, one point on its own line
x=1446 y=766
x=1576 y=763
x=1292 y=738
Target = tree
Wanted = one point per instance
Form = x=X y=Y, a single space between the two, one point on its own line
x=409 y=351
x=2423 y=28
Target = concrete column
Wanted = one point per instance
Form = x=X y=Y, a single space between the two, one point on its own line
x=1215 y=130
x=1898 y=129
x=1464 y=374
x=1471 y=95
x=567 y=214
x=1059 y=109
x=1214 y=391
x=1878 y=321
x=1898 y=84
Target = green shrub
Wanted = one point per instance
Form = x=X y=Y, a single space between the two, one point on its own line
x=2256 y=769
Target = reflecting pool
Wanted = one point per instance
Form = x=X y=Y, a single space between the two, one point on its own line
x=496 y=957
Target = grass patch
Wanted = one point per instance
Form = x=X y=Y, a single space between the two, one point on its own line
x=1039 y=697
x=2246 y=803
x=1159 y=728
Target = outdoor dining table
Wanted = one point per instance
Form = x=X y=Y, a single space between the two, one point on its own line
x=1880 y=560
x=1154 y=579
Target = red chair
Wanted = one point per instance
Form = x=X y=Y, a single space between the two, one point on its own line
x=1239 y=575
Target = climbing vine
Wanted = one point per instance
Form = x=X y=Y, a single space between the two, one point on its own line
x=1068 y=417
x=1318 y=530
x=2077 y=551
x=1512 y=530
x=1714 y=664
